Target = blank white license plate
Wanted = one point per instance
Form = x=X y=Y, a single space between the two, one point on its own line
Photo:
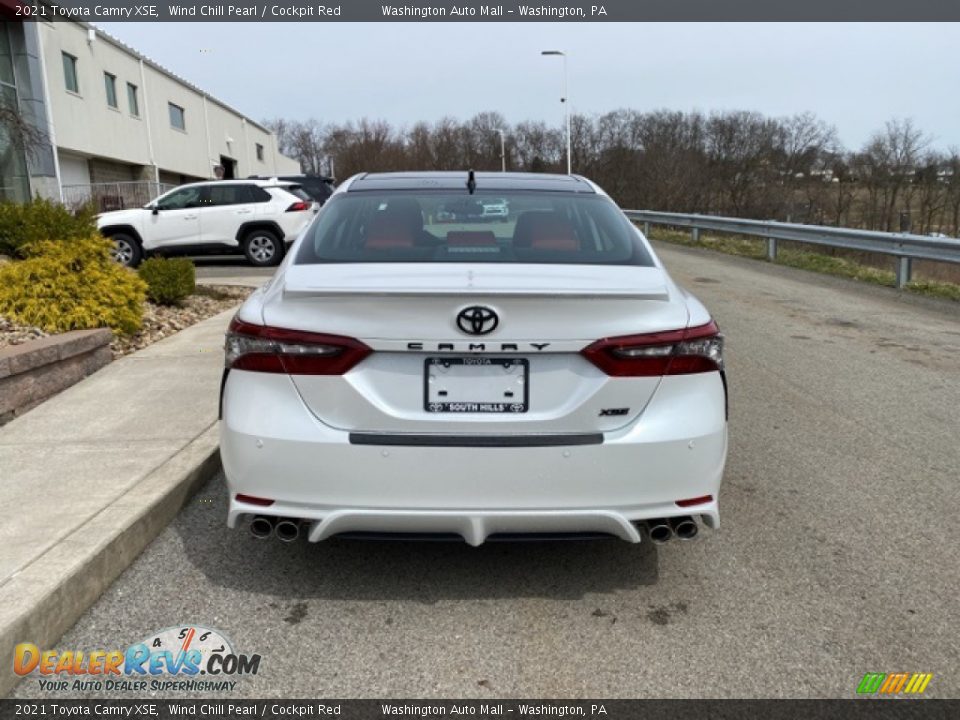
x=476 y=385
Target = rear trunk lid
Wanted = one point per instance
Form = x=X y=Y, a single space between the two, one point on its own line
x=427 y=375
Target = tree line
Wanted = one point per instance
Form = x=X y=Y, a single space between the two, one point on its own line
x=736 y=163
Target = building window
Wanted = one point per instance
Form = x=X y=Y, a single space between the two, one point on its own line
x=132 y=100
x=110 y=82
x=177 y=117
x=259 y=152
x=6 y=56
x=14 y=179
x=70 y=72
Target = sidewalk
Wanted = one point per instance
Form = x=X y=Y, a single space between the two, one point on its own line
x=89 y=478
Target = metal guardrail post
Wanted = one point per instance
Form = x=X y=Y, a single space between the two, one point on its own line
x=904 y=269
x=646 y=229
x=695 y=234
x=771 y=249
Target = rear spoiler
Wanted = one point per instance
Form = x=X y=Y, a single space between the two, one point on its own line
x=658 y=294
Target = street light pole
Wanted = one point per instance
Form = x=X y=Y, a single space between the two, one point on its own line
x=565 y=100
x=503 y=152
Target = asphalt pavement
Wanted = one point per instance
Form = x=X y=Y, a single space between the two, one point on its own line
x=213 y=267
x=838 y=553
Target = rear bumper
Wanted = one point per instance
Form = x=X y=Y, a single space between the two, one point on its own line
x=273 y=447
x=292 y=224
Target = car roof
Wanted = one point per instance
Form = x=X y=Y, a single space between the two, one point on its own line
x=266 y=182
x=457 y=180
x=294 y=178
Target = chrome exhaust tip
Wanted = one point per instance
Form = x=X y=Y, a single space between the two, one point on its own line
x=686 y=528
x=659 y=531
x=261 y=527
x=288 y=530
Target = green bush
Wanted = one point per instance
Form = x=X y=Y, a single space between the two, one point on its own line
x=72 y=285
x=169 y=282
x=24 y=225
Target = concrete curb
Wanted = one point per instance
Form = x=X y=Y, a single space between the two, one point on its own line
x=47 y=597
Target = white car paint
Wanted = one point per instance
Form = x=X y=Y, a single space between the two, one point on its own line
x=595 y=451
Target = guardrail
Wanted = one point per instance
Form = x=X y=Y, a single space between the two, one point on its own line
x=903 y=246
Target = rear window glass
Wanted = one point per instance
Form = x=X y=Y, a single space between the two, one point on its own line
x=318 y=188
x=521 y=227
x=298 y=191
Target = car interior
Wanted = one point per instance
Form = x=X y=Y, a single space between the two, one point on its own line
x=412 y=229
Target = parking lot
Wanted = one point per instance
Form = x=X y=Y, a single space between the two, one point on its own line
x=214 y=267
x=837 y=554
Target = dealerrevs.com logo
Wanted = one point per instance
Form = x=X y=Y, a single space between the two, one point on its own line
x=187 y=658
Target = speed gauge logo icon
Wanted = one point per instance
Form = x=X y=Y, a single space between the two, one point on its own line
x=201 y=644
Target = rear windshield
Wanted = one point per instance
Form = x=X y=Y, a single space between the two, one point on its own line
x=318 y=188
x=298 y=191
x=522 y=227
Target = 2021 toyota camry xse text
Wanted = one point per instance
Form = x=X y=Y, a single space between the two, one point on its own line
x=536 y=373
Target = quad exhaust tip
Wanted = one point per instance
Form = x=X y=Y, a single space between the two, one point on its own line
x=659 y=531
x=287 y=530
x=261 y=527
x=662 y=530
x=685 y=528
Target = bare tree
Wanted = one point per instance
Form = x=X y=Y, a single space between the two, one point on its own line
x=890 y=159
x=734 y=163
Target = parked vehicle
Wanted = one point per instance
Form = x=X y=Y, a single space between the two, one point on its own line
x=258 y=217
x=542 y=375
x=319 y=187
x=461 y=210
x=495 y=209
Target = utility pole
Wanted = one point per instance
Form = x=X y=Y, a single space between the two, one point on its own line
x=565 y=100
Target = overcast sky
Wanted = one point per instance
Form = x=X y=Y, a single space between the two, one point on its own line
x=854 y=76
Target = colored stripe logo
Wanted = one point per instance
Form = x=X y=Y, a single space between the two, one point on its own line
x=894 y=683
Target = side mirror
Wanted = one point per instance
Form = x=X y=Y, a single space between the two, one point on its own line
x=155 y=209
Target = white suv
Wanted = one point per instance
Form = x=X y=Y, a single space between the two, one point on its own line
x=259 y=217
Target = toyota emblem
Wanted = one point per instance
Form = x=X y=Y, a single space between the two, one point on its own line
x=477 y=320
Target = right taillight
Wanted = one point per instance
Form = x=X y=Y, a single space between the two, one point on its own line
x=674 y=352
x=260 y=348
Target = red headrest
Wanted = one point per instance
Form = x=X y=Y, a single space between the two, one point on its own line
x=395 y=226
x=553 y=233
x=384 y=234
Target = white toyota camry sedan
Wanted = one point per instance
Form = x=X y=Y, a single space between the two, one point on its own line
x=417 y=367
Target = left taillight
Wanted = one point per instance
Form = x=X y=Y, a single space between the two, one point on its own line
x=299 y=206
x=674 y=352
x=261 y=348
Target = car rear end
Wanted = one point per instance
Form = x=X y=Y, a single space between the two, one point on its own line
x=318 y=187
x=292 y=208
x=535 y=375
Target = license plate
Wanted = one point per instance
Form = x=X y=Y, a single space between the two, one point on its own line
x=476 y=385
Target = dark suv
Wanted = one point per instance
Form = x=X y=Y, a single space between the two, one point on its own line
x=318 y=187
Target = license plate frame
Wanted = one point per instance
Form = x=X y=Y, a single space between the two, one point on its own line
x=499 y=406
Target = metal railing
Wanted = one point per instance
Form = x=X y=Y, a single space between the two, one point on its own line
x=902 y=246
x=114 y=195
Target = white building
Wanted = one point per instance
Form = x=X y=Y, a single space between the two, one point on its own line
x=121 y=127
